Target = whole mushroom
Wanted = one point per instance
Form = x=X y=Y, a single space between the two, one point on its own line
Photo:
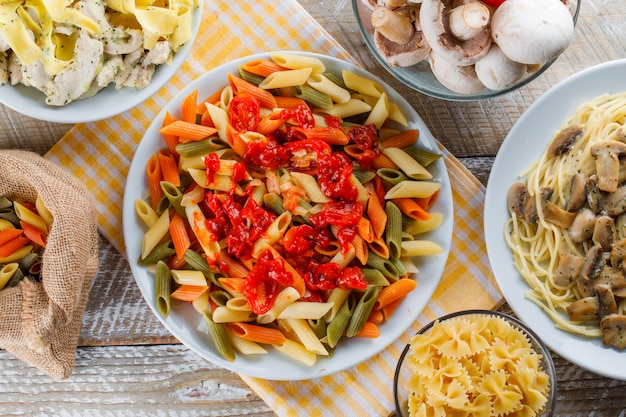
x=496 y=71
x=532 y=31
x=461 y=79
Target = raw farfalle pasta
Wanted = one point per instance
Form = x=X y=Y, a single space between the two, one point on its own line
x=479 y=367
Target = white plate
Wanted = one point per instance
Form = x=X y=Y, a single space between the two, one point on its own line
x=524 y=144
x=108 y=102
x=186 y=324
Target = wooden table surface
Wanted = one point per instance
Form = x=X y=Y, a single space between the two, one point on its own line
x=128 y=364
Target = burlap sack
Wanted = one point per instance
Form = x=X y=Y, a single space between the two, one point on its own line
x=40 y=321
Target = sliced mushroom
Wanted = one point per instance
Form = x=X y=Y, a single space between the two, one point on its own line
x=594 y=262
x=460 y=79
x=517 y=198
x=531 y=214
x=607 y=155
x=496 y=71
x=435 y=20
x=606 y=300
x=557 y=216
x=584 y=309
x=614 y=329
x=614 y=277
x=577 y=193
x=604 y=233
x=620 y=292
x=568 y=269
x=618 y=254
x=544 y=27
x=595 y=197
x=564 y=140
x=398 y=36
x=615 y=202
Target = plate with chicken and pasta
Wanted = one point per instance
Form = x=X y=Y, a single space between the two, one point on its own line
x=88 y=60
x=556 y=229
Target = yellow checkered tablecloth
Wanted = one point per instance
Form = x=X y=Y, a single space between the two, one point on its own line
x=100 y=153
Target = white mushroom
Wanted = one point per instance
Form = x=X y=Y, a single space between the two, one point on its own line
x=496 y=71
x=437 y=17
x=532 y=31
x=461 y=79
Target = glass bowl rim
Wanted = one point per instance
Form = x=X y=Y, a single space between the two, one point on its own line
x=551 y=371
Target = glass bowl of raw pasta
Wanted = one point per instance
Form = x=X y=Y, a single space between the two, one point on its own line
x=480 y=362
x=303 y=256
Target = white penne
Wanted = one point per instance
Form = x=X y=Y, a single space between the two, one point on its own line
x=274 y=232
x=305 y=310
x=224 y=314
x=297 y=352
x=155 y=233
x=188 y=277
x=419 y=248
x=285 y=297
x=243 y=346
x=417 y=227
x=30 y=217
x=293 y=61
x=145 y=212
x=412 y=189
x=363 y=195
x=17 y=255
x=5 y=224
x=187 y=162
x=397 y=115
x=322 y=84
x=320 y=121
x=350 y=108
x=379 y=113
x=309 y=184
x=226 y=167
x=337 y=297
x=205 y=238
x=343 y=259
x=43 y=211
x=220 y=182
x=6 y=272
x=407 y=164
x=201 y=304
x=226 y=97
x=220 y=119
x=306 y=336
x=287 y=78
x=410 y=265
x=239 y=303
x=361 y=85
x=193 y=196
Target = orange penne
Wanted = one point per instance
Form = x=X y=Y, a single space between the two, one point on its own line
x=189 y=107
x=297 y=280
x=427 y=202
x=259 y=334
x=169 y=168
x=179 y=235
x=360 y=249
x=153 y=173
x=241 y=86
x=235 y=285
x=409 y=207
x=170 y=140
x=288 y=102
x=387 y=311
x=365 y=229
x=205 y=119
x=394 y=292
x=174 y=262
x=188 y=132
x=369 y=330
x=12 y=245
x=238 y=144
x=270 y=123
x=401 y=140
x=382 y=161
x=262 y=67
x=212 y=99
x=9 y=234
x=33 y=234
x=376 y=316
x=379 y=247
x=233 y=267
x=189 y=292
x=330 y=135
x=377 y=215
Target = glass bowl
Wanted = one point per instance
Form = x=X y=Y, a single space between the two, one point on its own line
x=419 y=77
x=509 y=362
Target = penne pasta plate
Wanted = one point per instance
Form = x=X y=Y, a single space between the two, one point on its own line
x=260 y=209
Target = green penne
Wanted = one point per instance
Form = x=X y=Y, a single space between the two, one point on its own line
x=162 y=288
x=318 y=326
x=163 y=204
x=9 y=214
x=174 y=195
x=362 y=310
x=200 y=147
x=374 y=277
x=5 y=203
x=391 y=175
x=199 y=263
x=363 y=176
x=160 y=252
x=385 y=266
x=340 y=322
x=393 y=231
x=313 y=97
x=15 y=279
x=28 y=261
x=422 y=156
x=336 y=79
x=217 y=332
x=274 y=203
x=250 y=77
x=220 y=297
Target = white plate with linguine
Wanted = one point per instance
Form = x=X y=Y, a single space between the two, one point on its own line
x=524 y=146
x=187 y=324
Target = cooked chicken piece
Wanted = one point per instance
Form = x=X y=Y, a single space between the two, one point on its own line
x=4 y=46
x=129 y=62
x=158 y=54
x=109 y=71
x=75 y=79
x=31 y=75
x=140 y=76
x=4 y=69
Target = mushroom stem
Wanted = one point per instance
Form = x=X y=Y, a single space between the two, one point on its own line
x=393 y=26
x=467 y=20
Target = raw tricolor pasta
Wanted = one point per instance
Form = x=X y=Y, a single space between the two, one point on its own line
x=287 y=215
